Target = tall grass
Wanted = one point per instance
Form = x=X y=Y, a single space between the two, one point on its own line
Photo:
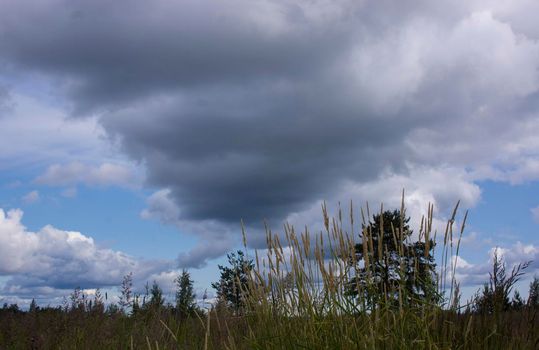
x=297 y=297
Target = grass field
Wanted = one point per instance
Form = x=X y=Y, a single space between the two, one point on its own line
x=313 y=291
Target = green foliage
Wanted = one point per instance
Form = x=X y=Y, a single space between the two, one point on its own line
x=156 y=296
x=185 y=296
x=11 y=308
x=33 y=306
x=494 y=297
x=517 y=303
x=533 y=298
x=393 y=269
x=113 y=309
x=233 y=284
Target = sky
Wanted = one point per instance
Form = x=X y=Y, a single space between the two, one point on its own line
x=136 y=136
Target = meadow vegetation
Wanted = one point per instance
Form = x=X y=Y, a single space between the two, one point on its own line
x=370 y=283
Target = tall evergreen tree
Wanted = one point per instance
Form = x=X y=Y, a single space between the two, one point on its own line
x=156 y=296
x=389 y=267
x=33 y=306
x=533 y=296
x=185 y=296
x=233 y=285
x=517 y=303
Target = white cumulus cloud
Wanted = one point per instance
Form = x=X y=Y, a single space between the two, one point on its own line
x=58 y=259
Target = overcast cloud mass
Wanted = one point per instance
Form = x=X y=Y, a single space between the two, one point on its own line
x=259 y=109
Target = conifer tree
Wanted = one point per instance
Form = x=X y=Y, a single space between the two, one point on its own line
x=517 y=303
x=390 y=267
x=156 y=296
x=185 y=296
x=533 y=296
x=33 y=306
x=234 y=282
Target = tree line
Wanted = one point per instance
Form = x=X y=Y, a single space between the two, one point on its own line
x=387 y=267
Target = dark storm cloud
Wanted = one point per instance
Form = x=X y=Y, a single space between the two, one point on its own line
x=237 y=115
x=255 y=109
x=5 y=101
x=112 y=53
x=252 y=162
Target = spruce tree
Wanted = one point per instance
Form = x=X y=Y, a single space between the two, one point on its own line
x=517 y=303
x=233 y=286
x=389 y=267
x=156 y=296
x=33 y=306
x=185 y=296
x=533 y=296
